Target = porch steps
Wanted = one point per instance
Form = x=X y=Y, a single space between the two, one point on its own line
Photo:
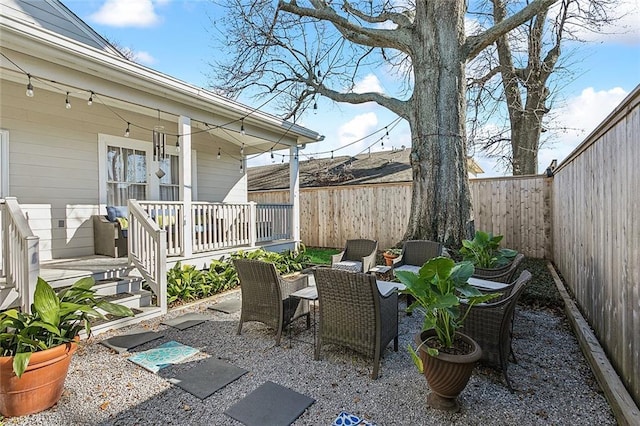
x=8 y=295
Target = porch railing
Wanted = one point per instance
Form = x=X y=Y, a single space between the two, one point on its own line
x=216 y=226
x=273 y=222
x=147 y=246
x=20 y=253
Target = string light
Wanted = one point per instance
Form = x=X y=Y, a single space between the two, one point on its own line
x=241 y=167
x=242 y=149
x=218 y=153
x=178 y=143
x=67 y=104
x=127 y=131
x=29 y=87
x=242 y=128
x=90 y=100
x=332 y=155
x=283 y=159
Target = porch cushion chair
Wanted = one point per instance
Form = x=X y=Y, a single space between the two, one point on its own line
x=358 y=256
x=504 y=274
x=490 y=325
x=110 y=232
x=416 y=253
x=266 y=296
x=354 y=314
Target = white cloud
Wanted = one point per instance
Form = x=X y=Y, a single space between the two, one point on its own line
x=624 y=27
x=143 y=57
x=357 y=128
x=369 y=83
x=581 y=115
x=128 y=13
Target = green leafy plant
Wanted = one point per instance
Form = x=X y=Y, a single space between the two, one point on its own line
x=54 y=319
x=484 y=251
x=184 y=282
x=437 y=289
x=393 y=251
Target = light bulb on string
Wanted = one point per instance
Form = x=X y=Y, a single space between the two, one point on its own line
x=67 y=104
x=241 y=168
x=90 y=100
x=29 y=87
x=178 y=144
x=242 y=149
x=332 y=155
x=127 y=131
x=283 y=159
x=242 y=127
x=218 y=153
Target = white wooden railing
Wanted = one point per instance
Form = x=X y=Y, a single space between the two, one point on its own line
x=20 y=253
x=147 y=246
x=273 y=222
x=217 y=226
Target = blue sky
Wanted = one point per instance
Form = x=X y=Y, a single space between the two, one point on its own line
x=176 y=38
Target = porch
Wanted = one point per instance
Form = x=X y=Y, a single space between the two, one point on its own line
x=159 y=235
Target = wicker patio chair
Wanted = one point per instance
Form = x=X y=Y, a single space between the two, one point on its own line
x=490 y=325
x=504 y=274
x=416 y=253
x=266 y=296
x=354 y=314
x=357 y=256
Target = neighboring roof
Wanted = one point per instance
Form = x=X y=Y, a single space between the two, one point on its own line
x=48 y=31
x=377 y=167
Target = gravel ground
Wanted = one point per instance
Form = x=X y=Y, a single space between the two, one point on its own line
x=553 y=382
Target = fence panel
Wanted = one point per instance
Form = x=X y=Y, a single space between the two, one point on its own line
x=517 y=207
x=597 y=245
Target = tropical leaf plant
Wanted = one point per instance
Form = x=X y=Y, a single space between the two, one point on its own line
x=484 y=251
x=437 y=289
x=55 y=319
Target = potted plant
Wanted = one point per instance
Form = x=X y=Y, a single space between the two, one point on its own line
x=444 y=355
x=390 y=254
x=484 y=251
x=36 y=347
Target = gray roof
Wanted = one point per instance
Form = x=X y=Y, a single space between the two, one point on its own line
x=377 y=167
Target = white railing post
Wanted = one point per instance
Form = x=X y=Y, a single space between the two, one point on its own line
x=253 y=218
x=31 y=272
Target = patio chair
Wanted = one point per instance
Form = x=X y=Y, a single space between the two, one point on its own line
x=354 y=314
x=266 y=296
x=490 y=325
x=416 y=253
x=503 y=274
x=357 y=256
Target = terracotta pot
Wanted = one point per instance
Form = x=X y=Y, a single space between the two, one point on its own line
x=388 y=258
x=40 y=386
x=446 y=374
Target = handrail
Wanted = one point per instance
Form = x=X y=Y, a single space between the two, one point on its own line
x=147 y=247
x=20 y=252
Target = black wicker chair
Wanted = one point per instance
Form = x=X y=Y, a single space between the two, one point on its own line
x=490 y=325
x=416 y=253
x=354 y=314
x=266 y=296
x=357 y=256
x=503 y=274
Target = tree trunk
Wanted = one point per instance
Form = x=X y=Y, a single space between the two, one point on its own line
x=525 y=136
x=441 y=204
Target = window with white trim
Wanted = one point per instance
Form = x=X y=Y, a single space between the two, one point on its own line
x=126 y=175
x=170 y=182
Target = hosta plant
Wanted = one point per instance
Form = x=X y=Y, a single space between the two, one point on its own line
x=54 y=319
x=484 y=251
x=437 y=289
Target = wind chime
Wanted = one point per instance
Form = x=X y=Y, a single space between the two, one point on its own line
x=159 y=145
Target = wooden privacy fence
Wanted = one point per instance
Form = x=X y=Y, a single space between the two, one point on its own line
x=596 y=221
x=517 y=207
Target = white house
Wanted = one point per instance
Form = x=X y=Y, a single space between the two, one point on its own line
x=83 y=128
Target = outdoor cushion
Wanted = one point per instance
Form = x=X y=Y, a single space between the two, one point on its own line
x=409 y=268
x=114 y=212
x=348 y=265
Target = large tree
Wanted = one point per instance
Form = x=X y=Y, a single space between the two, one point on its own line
x=304 y=49
x=516 y=72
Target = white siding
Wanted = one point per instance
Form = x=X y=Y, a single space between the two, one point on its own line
x=53 y=164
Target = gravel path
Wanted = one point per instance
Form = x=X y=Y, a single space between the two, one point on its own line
x=553 y=381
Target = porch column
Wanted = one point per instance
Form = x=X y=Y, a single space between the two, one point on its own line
x=294 y=194
x=184 y=130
